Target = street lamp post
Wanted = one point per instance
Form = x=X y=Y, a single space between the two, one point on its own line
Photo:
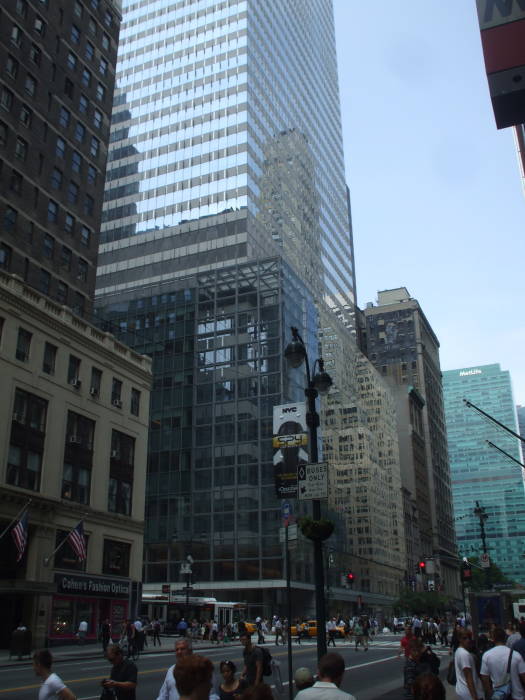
x=479 y=512
x=319 y=383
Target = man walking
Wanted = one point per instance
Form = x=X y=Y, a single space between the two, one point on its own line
x=168 y=690
x=105 y=634
x=123 y=678
x=331 y=627
x=253 y=661
x=278 y=631
x=494 y=665
x=82 y=631
x=330 y=672
x=260 y=635
x=156 y=632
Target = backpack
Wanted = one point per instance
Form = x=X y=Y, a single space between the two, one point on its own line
x=266 y=661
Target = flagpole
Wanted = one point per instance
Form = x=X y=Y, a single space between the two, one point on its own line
x=17 y=517
x=48 y=559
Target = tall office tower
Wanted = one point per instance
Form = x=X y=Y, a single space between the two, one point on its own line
x=520 y=411
x=226 y=153
x=403 y=347
x=56 y=86
x=74 y=415
x=361 y=447
x=481 y=473
x=226 y=145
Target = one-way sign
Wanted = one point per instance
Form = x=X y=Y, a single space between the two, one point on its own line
x=312 y=480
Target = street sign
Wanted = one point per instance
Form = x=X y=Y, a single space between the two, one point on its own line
x=484 y=561
x=286 y=510
x=313 y=481
x=292 y=533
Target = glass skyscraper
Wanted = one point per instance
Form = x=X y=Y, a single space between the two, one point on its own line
x=226 y=220
x=481 y=473
x=226 y=145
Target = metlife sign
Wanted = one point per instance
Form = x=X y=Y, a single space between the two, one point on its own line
x=492 y=13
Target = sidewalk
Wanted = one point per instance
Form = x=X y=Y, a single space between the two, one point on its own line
x=94 y=651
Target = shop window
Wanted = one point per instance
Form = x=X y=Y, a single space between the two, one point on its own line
x=66 y=558
x=115 y=560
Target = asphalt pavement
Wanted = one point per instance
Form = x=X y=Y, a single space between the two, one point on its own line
x=373 y=675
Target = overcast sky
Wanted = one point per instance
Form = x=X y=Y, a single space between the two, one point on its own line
x=437 y=199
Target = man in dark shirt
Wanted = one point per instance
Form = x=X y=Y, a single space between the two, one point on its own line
x=123 y=678
x=253 y=661
x=520 y=644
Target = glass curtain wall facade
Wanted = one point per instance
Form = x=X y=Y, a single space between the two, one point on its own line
x=217 y=344
x=226 y=145
x=481 y=473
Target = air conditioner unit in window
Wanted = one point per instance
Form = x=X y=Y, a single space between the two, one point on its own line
x=75 y=440
x=117 y=403
x=93 y=391
x=76 y=383
x=115 y=454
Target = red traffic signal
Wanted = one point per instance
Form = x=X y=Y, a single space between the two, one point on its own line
x=422 y=567
x=350 y=577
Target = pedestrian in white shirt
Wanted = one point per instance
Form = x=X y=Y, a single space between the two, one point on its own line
x=330 y=672
x=494 y=666
x=82 y=631
x=468 y=684
x=168 y=689
x=52 y=685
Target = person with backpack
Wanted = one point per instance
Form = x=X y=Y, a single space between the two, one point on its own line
x=502 y=670
x=257 y=661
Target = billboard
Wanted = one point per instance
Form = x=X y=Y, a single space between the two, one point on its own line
x=502 y=25
x=290 y=444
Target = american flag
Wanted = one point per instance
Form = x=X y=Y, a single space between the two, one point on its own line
x=19 y=534
x=78 y=541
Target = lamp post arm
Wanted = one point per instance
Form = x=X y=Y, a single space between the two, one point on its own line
x=469 y=404
x=491 y=444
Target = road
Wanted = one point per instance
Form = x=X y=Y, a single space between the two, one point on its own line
x=369 y=676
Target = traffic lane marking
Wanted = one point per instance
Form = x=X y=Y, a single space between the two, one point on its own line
x=163 y=669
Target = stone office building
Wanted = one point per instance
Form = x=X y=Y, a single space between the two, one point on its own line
x=73 y=442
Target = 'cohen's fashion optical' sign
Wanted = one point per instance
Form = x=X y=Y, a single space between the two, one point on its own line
x=92 y=586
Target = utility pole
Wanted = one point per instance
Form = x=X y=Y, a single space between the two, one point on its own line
x=479 y=512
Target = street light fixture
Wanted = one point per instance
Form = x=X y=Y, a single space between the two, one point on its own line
x=319 y=383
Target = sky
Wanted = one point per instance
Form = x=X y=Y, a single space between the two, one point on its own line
x=437 y=199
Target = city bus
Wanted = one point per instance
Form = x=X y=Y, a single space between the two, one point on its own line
x=170 y=608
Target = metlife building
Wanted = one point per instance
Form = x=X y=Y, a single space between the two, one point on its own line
x=481 y=473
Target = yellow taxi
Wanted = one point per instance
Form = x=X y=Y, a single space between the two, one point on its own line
x=251 y=627
x=308 y=628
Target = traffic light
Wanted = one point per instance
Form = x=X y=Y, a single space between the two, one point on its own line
x=422 y=567
x=466 y=571
x=350 y=578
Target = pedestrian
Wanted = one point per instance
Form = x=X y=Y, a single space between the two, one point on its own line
x=497 y=662
x=82 y=632
x=168 y=690
x=52 y=685
x=303 y=678
x=182 y=626
x=253 y=661
x=331 y=627
x=230 y=688
x=405 y=641
x=427 y=686
x=443 y=632
x=468 y=684
x=278 y=626
x=514 y=635
x=330 y=674
x=105 y=634
x=520 y=644
x=123 y=677
x=156 y=632
x=358 y=634
x=214 y=632
x=260 y=635
x=130 y=635
x=193 y=677
x=412 y=670
x=365 y=626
